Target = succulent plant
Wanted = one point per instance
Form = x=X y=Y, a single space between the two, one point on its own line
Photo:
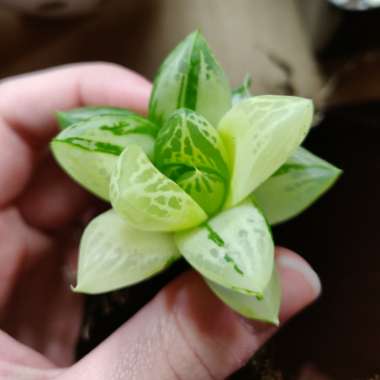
x=203 y=177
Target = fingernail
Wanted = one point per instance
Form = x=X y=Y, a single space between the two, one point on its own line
x=301 y=266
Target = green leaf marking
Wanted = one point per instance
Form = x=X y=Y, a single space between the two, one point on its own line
x=189 y=151
x=113 y=254
x=265 y=308
x=88 y=150
x=148 y=199
x=243 y=91
x=295 y=186
x=67 y=118
x=234 y=249
x=190 y=77
x=260 y=134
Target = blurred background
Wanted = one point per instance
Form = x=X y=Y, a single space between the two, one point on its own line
x=325 y=50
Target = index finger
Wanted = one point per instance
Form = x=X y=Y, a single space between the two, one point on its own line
x=28 y=104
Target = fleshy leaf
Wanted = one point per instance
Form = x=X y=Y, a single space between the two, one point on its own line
x=295 y=186
x=190 y=151
x=148 y=199
x=113 y=254
x=67 y=118
x=265 y=308
x=260 y=134
x=243 y=91
x=207 y=189
x=190 y=77
x=88 y=150
x=233 y=249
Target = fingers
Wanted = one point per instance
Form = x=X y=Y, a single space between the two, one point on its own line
x=28 y=105
x=14 y=352
x=43 y=313
x=16 y=162
x=299 y=283
x=52 y=199
x=20 y=246
x=186 y=333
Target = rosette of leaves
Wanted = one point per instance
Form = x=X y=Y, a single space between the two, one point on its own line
x=203 y=178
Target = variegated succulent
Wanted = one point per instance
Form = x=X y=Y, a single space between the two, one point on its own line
x=203 y=177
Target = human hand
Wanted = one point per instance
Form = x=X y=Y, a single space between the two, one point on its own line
x=183 y=333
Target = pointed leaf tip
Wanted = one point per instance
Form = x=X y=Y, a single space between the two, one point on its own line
x=243 y=91
x=113 y=254
x=260 y=133
x=190 y=77
x=296 y=185
x=234 y=249
x=265 y=309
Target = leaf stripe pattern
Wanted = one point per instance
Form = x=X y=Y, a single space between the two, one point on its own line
x=93 y=146
x=234 y=249
x=147 y=198
x=68 y=118
x=295 y=186
x=88 y=150
x=260 y=134
x=190 y=151
x=115 y=255
x=186 y=79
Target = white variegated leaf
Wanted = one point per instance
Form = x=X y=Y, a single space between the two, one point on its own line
x=67 y=118
x=233 y=249
x=113 y=254
x=148 y=199
x=265 y=308
x=190 y=151
x=295 y=186
x=190 y=77
x=88 y=150
x=260 y=134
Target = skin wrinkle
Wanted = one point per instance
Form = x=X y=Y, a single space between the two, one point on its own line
x=215 y=334
x=162 y=337
x=191 y=348
x=174 y=316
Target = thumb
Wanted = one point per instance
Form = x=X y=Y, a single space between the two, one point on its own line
x=185 y=332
